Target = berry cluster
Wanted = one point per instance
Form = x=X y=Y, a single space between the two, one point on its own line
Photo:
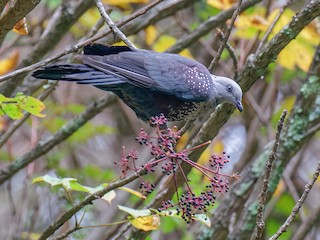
x=162 y=147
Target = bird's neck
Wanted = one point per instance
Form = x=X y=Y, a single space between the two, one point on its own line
x=217 y=98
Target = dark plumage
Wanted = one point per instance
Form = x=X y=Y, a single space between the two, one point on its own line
x=150 y=83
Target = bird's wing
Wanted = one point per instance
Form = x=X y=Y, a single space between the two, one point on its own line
x=160 y=72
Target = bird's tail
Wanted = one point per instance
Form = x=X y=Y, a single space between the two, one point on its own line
x=79 y=73
x=70 y=72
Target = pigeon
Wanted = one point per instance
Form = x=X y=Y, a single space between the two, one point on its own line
x=150 y=83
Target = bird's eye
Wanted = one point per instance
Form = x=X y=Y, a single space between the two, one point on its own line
x=229 y=88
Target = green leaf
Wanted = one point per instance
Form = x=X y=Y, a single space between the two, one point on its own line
x=2 y=98
x=12 y=110
x=53 y=181
x=30 y=105
x=14 y=107
x=71 y=184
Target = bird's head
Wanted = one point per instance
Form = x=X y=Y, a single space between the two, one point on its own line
x=228 y=91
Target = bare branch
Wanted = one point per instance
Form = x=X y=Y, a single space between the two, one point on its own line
x=232 y=55
x=308 y=224
x=268 y=168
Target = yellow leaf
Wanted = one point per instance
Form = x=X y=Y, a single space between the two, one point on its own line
x=296 y=53
x=218 y=146
x=30 y=235
x=166 y=41
x=8 y=64
x=163 y=43
x=147 y=223
x=280 y=188
x=136 y=193
x=3 y=121
x=183 y=141
x=151 y=35
x=85 y=22
x=252 y=20
x=31 y=105
x=286 y=58
x=221 y=4
x=205 y=156
x=124 y=4
x=311 y=33
x=21 y=27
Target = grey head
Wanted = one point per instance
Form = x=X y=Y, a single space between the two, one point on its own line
x=226 y=90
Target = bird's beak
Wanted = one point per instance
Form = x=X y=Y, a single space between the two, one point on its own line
x=239 y=106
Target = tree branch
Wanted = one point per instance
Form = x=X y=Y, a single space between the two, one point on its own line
x=14 y=14
x=268 y=168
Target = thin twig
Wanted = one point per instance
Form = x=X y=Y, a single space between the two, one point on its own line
x=298 y=205
x=214 y=62
x=66 y=234
x=112 y=25
x=271 y=26
x=232 y=55
x=304 y=228
x=259 y=111
x=268 y=168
